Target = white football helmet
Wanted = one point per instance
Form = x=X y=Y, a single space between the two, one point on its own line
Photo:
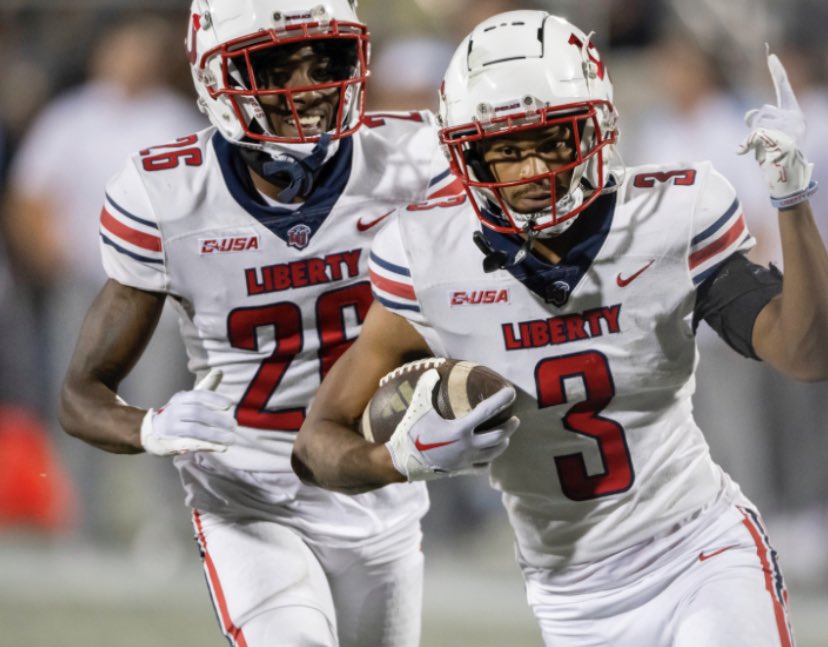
x=524 y=70
x=226 y=40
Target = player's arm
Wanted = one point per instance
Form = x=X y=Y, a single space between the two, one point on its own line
x=791 y=331
x=116 y=330
x=113 y=336
x=329 y=451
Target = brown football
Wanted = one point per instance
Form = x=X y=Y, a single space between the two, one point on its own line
x=461 y=387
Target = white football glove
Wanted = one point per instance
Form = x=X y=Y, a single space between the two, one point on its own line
x=426 y=446
x=197 y=420
x=775 y=134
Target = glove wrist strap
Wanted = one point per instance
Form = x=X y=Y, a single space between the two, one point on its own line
x=146 y=429
x=795 y=198
x=394 y=460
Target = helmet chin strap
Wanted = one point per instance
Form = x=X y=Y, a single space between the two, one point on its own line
x=299 y=172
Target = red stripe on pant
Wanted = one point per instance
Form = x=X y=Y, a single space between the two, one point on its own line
x=780 y=613
x=230 y=630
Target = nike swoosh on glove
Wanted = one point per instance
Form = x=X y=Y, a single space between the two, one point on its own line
x=427 y=446
x=197 y=420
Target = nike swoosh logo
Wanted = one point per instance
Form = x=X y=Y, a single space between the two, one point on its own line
x=424 y=447
x=623 y=282
x=365 y=226
x=704 y=556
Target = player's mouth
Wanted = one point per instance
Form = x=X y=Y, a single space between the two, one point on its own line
x=308 y=124
x=536 y=198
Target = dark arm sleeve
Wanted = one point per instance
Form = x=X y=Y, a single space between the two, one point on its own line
x=731 y=299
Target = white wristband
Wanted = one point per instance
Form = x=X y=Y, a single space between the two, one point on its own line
x=795 y=198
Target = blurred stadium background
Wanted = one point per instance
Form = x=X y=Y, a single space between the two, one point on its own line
x=96 y=549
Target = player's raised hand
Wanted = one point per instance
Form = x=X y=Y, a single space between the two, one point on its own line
x=197 y=420
x=776 y=131
x=426 y=446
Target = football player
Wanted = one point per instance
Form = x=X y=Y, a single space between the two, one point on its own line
x=583 y=282
x=258 y=229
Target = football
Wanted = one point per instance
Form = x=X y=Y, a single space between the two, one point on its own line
x=462 y=385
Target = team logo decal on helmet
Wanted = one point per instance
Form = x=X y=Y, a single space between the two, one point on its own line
x=525 y=72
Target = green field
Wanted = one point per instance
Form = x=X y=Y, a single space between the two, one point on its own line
x=87 y=598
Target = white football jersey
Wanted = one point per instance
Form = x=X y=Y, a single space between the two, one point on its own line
x=602 y=353
x=272 y=296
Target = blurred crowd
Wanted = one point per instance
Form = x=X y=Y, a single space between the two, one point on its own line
x=89 y=83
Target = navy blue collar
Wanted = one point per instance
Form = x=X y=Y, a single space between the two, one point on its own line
x=555 y=282
x=294 y=226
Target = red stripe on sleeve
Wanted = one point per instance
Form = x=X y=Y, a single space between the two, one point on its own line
x=451 y=189
x=736 y=230
x=137 y=238
x=392 y=287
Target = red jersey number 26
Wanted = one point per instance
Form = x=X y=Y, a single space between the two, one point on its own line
x=173 y=155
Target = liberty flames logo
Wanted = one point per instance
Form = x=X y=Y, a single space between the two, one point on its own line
x=299 y=236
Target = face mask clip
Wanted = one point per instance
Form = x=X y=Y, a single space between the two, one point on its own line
x=494 y=259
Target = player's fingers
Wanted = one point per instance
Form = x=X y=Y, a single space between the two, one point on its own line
x=750 y=117
x=210 y=381
x=207 y=417
x=207 y=433
x=785 y=97
x=424 y=390
x=491 y=406
x=746 y=145
x=421 y=412
x=210 y=447
x=186 y=445
x=204 y=400
x=488 y=454
x=496 y=435
x=756 y=142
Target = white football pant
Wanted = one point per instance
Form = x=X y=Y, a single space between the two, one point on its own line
x=271 y=588
x=718 y=585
